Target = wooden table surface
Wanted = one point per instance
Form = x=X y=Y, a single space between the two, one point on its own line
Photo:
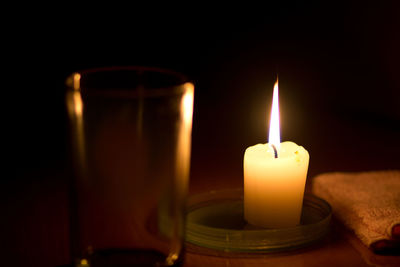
x=36 y=233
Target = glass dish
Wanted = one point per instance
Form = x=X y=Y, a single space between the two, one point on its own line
x=215 y=221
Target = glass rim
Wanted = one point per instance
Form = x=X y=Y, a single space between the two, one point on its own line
x=134 y=68
x=73 y=81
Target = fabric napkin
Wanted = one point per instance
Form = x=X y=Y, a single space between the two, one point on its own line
x=366 y=202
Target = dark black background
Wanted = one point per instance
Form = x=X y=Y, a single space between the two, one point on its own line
x=336 y=59
x=338 y=67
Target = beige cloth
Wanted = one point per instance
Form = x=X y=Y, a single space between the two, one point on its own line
x=366 y=202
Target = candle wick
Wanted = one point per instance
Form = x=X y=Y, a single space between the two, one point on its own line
x=275 y=151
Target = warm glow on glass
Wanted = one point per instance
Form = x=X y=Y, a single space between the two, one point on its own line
x=84 y=262
x=274 y=132
x=187 y=103
x=183 y=159
x=78 y=104
x=75 y=108
x=172 y=258
x=185 y=130
x=77 y=81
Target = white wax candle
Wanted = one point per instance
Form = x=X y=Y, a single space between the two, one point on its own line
x=274 y=178
x=274 y=187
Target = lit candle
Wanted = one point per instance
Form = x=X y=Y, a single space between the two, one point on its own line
x=274 y=178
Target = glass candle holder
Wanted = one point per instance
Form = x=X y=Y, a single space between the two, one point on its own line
x=130 y=146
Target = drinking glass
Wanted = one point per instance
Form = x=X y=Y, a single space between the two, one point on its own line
x=130 y=146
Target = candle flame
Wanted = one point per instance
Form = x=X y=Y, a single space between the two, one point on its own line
x=274 y=132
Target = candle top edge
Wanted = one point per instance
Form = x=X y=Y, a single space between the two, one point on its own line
x=287 y=149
